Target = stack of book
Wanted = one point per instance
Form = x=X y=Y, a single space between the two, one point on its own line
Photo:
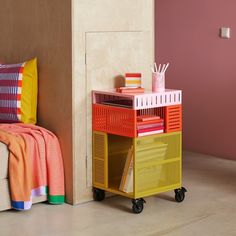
x=134 y=90
x=149 y=124
x=133 y=79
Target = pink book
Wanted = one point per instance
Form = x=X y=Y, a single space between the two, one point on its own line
x=146 y=126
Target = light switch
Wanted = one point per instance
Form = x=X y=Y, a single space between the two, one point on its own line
x=225 y=32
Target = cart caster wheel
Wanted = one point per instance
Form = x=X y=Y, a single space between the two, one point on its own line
x=98 y=194
x=180 y=194
x=137 y=205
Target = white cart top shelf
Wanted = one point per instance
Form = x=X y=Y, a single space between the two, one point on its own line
x=144 y=100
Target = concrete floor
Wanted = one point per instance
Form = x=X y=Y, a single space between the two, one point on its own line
x=209 y=209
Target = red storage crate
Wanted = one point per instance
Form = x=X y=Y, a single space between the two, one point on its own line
x=114 y=120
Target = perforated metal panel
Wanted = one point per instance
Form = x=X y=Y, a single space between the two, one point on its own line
x=114 y=120
x=173 y=118
x=99 y=145
x=157 y=163
x=99 y=172
x=156 y=176
x=142 y=101
x=100 y=153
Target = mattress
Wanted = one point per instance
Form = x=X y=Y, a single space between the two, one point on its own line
x=3 y=161
x=4 y=182
x=5 y=195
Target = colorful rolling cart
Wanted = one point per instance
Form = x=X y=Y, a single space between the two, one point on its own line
x=157 y=159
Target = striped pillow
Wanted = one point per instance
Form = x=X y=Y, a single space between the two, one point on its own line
x=18 y=92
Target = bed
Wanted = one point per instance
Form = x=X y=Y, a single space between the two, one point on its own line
x=31 y=166
x=6 y=72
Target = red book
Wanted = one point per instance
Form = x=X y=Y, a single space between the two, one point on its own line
x=130 y=90
x=147 y=117
x=150 y=129
x=137 y=75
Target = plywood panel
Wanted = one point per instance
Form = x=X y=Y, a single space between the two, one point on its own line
x=42 y=29
x=113 y=15
x=101 y=16
x=110 y=54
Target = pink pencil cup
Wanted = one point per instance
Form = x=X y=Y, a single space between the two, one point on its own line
x=158 y=82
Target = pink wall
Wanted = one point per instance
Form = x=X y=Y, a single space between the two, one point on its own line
x=204 y=67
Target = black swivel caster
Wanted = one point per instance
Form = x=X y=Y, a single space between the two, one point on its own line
x=137 y=205
x=98 y=194
x=180 y=194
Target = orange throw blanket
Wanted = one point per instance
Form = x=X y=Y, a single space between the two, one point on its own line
x=35 y=164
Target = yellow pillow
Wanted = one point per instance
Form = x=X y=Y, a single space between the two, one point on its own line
x=29 y=92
